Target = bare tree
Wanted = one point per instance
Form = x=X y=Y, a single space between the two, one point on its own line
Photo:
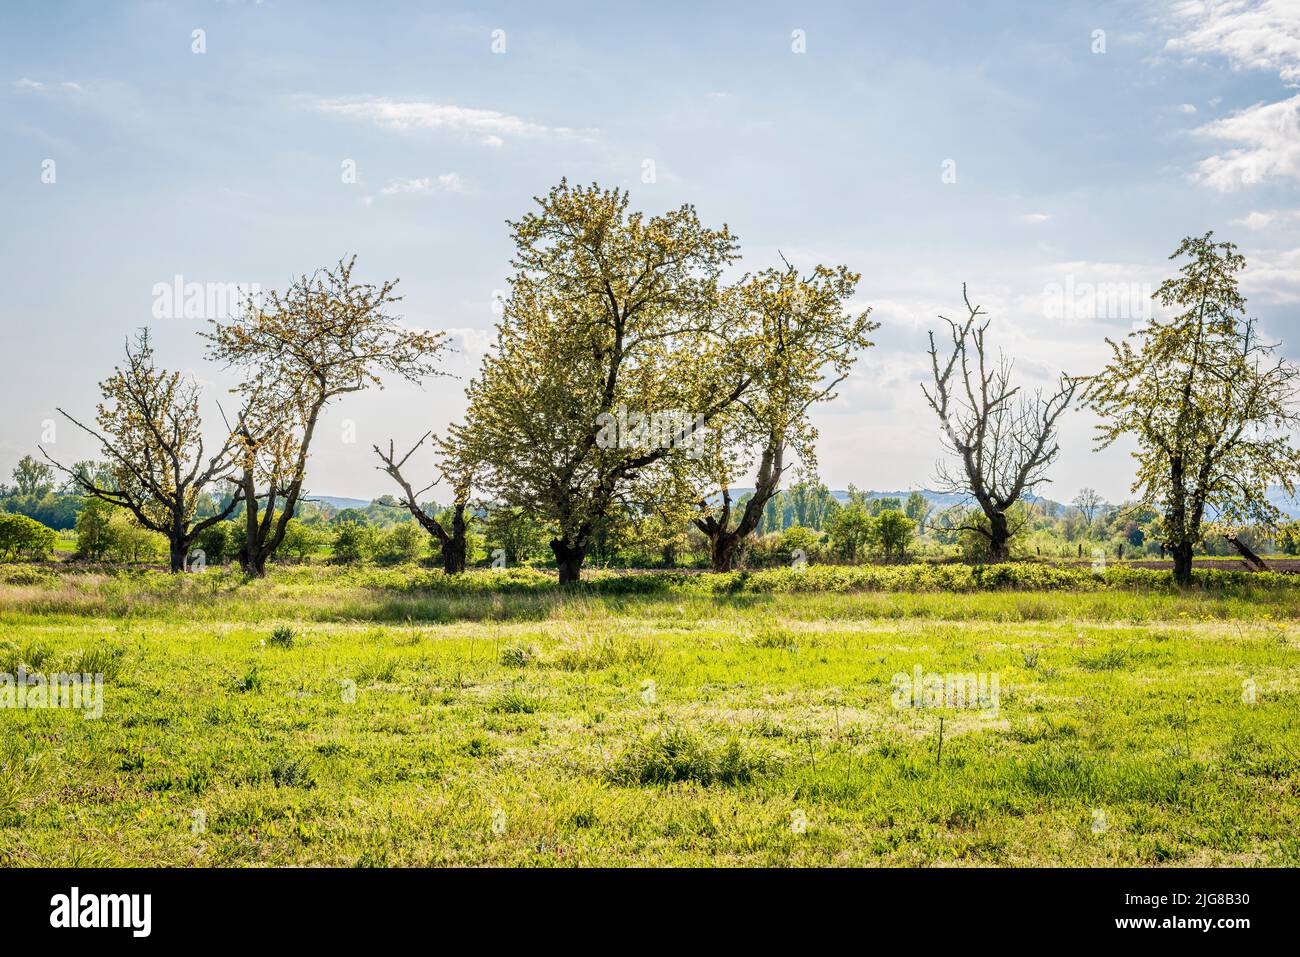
x=1003 y=439
x=1088 y=501
x=150 y=431
x=452 y=539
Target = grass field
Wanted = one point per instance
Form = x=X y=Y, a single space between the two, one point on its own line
x=392 y=718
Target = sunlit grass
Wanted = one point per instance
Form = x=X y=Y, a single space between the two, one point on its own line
x=403 y=726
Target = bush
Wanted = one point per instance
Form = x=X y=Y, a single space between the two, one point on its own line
x=400 y=544
x=23 y=537
x=353 y=543
x=301 y=540
x=217 y=542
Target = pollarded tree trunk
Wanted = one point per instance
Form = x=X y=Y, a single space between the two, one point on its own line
x=999 y=537
x=1182 y=552
x=454 y=545
x=725 y=543
x=568 y=559
x=177 y=553
x=723 y=547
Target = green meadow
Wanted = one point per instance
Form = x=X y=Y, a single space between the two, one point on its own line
x=326 y=716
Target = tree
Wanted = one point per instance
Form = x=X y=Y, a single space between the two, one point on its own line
x=893 y=532
x=32 y=478
x=917 y=508
x=22 y=537
x=217 y=542
x=1004 y=440
x=799 y=344
x=94 y=529
x=1088 y=501
x=151 y=433
x=451 y=539
x=325 y=337
x=513 y=531
x=851 y=529
x=131 y=541
x=612 y=354
x=1209 y=403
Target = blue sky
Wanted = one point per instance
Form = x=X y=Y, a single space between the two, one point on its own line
x=1074 y=169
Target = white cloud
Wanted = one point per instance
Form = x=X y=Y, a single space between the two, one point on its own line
x=445 y=183
x=1252 y=36
x=1273 y=276
x=1268 y=138
x=1187 y=108
x=1254 y=220
x=493 y=141
x=1035 y=217
x=1264 y=35
x=418 y=114
x=38 y=86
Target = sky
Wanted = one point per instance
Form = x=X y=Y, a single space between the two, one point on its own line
x=1049 y=156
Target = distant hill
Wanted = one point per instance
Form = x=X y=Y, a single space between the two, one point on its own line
x=339 y=501
x=939 y=500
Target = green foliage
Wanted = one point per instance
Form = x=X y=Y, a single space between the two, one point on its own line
x=851 y=530
x=893 y=533
x=95 y=530
x=301 y=540
x=353 y=542
x=1208 y=402
x=22 y=537
x=399 y=544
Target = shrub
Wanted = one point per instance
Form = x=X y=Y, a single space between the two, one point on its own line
x=353 y=542
x=217 y=542
x=400 y=544
x=23 y=537
x=282 y=637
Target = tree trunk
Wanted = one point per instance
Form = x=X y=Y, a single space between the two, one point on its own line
x=568 y=559
x=999 y=538
x=723 y=547
x=453 y=556
x=177 y=553
x=1182 y=552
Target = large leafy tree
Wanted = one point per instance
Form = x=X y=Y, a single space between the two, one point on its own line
x=611 y=315
x=1209 y=403
x=326 y=336
x=799 y=342
x=150 y=432
x=1003 y=439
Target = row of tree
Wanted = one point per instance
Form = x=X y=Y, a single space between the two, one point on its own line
x=628 y=379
